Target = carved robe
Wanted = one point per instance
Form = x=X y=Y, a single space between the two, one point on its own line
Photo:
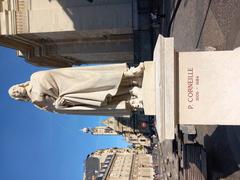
x=93 y=90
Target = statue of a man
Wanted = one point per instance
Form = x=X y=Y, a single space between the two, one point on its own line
x=94 y=90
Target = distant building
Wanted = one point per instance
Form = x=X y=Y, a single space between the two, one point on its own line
x=60 y=33
x=118 y=164
x=102 y=130
x=136 y=131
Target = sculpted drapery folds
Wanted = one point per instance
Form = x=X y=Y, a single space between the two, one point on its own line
x=94 y=90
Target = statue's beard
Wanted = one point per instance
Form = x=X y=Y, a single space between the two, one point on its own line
x=22 y=98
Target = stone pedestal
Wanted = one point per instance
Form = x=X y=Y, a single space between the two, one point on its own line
x=158 y=88
x=191 y=88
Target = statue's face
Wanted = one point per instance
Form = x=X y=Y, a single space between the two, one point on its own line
x=18 y=92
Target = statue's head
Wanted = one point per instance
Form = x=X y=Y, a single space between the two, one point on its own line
x=19 y=92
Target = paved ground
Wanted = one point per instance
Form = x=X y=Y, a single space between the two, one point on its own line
x=201 y=23
x=167 y=163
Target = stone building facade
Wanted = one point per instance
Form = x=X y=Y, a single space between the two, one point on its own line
x=136 y=131
x=60 y=33
x=118 y=164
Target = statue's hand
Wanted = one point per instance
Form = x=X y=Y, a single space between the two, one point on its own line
x=45 y=104
x=135 y=71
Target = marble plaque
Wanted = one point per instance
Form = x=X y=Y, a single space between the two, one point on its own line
x=209 y=87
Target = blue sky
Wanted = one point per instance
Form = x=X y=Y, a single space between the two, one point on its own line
x=38 y=145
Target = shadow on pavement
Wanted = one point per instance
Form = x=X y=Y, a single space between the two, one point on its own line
x=222 y=149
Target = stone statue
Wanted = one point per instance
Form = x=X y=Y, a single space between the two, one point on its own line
x=93 y=90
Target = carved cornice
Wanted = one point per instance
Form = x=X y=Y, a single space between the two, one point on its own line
x=165 y=88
